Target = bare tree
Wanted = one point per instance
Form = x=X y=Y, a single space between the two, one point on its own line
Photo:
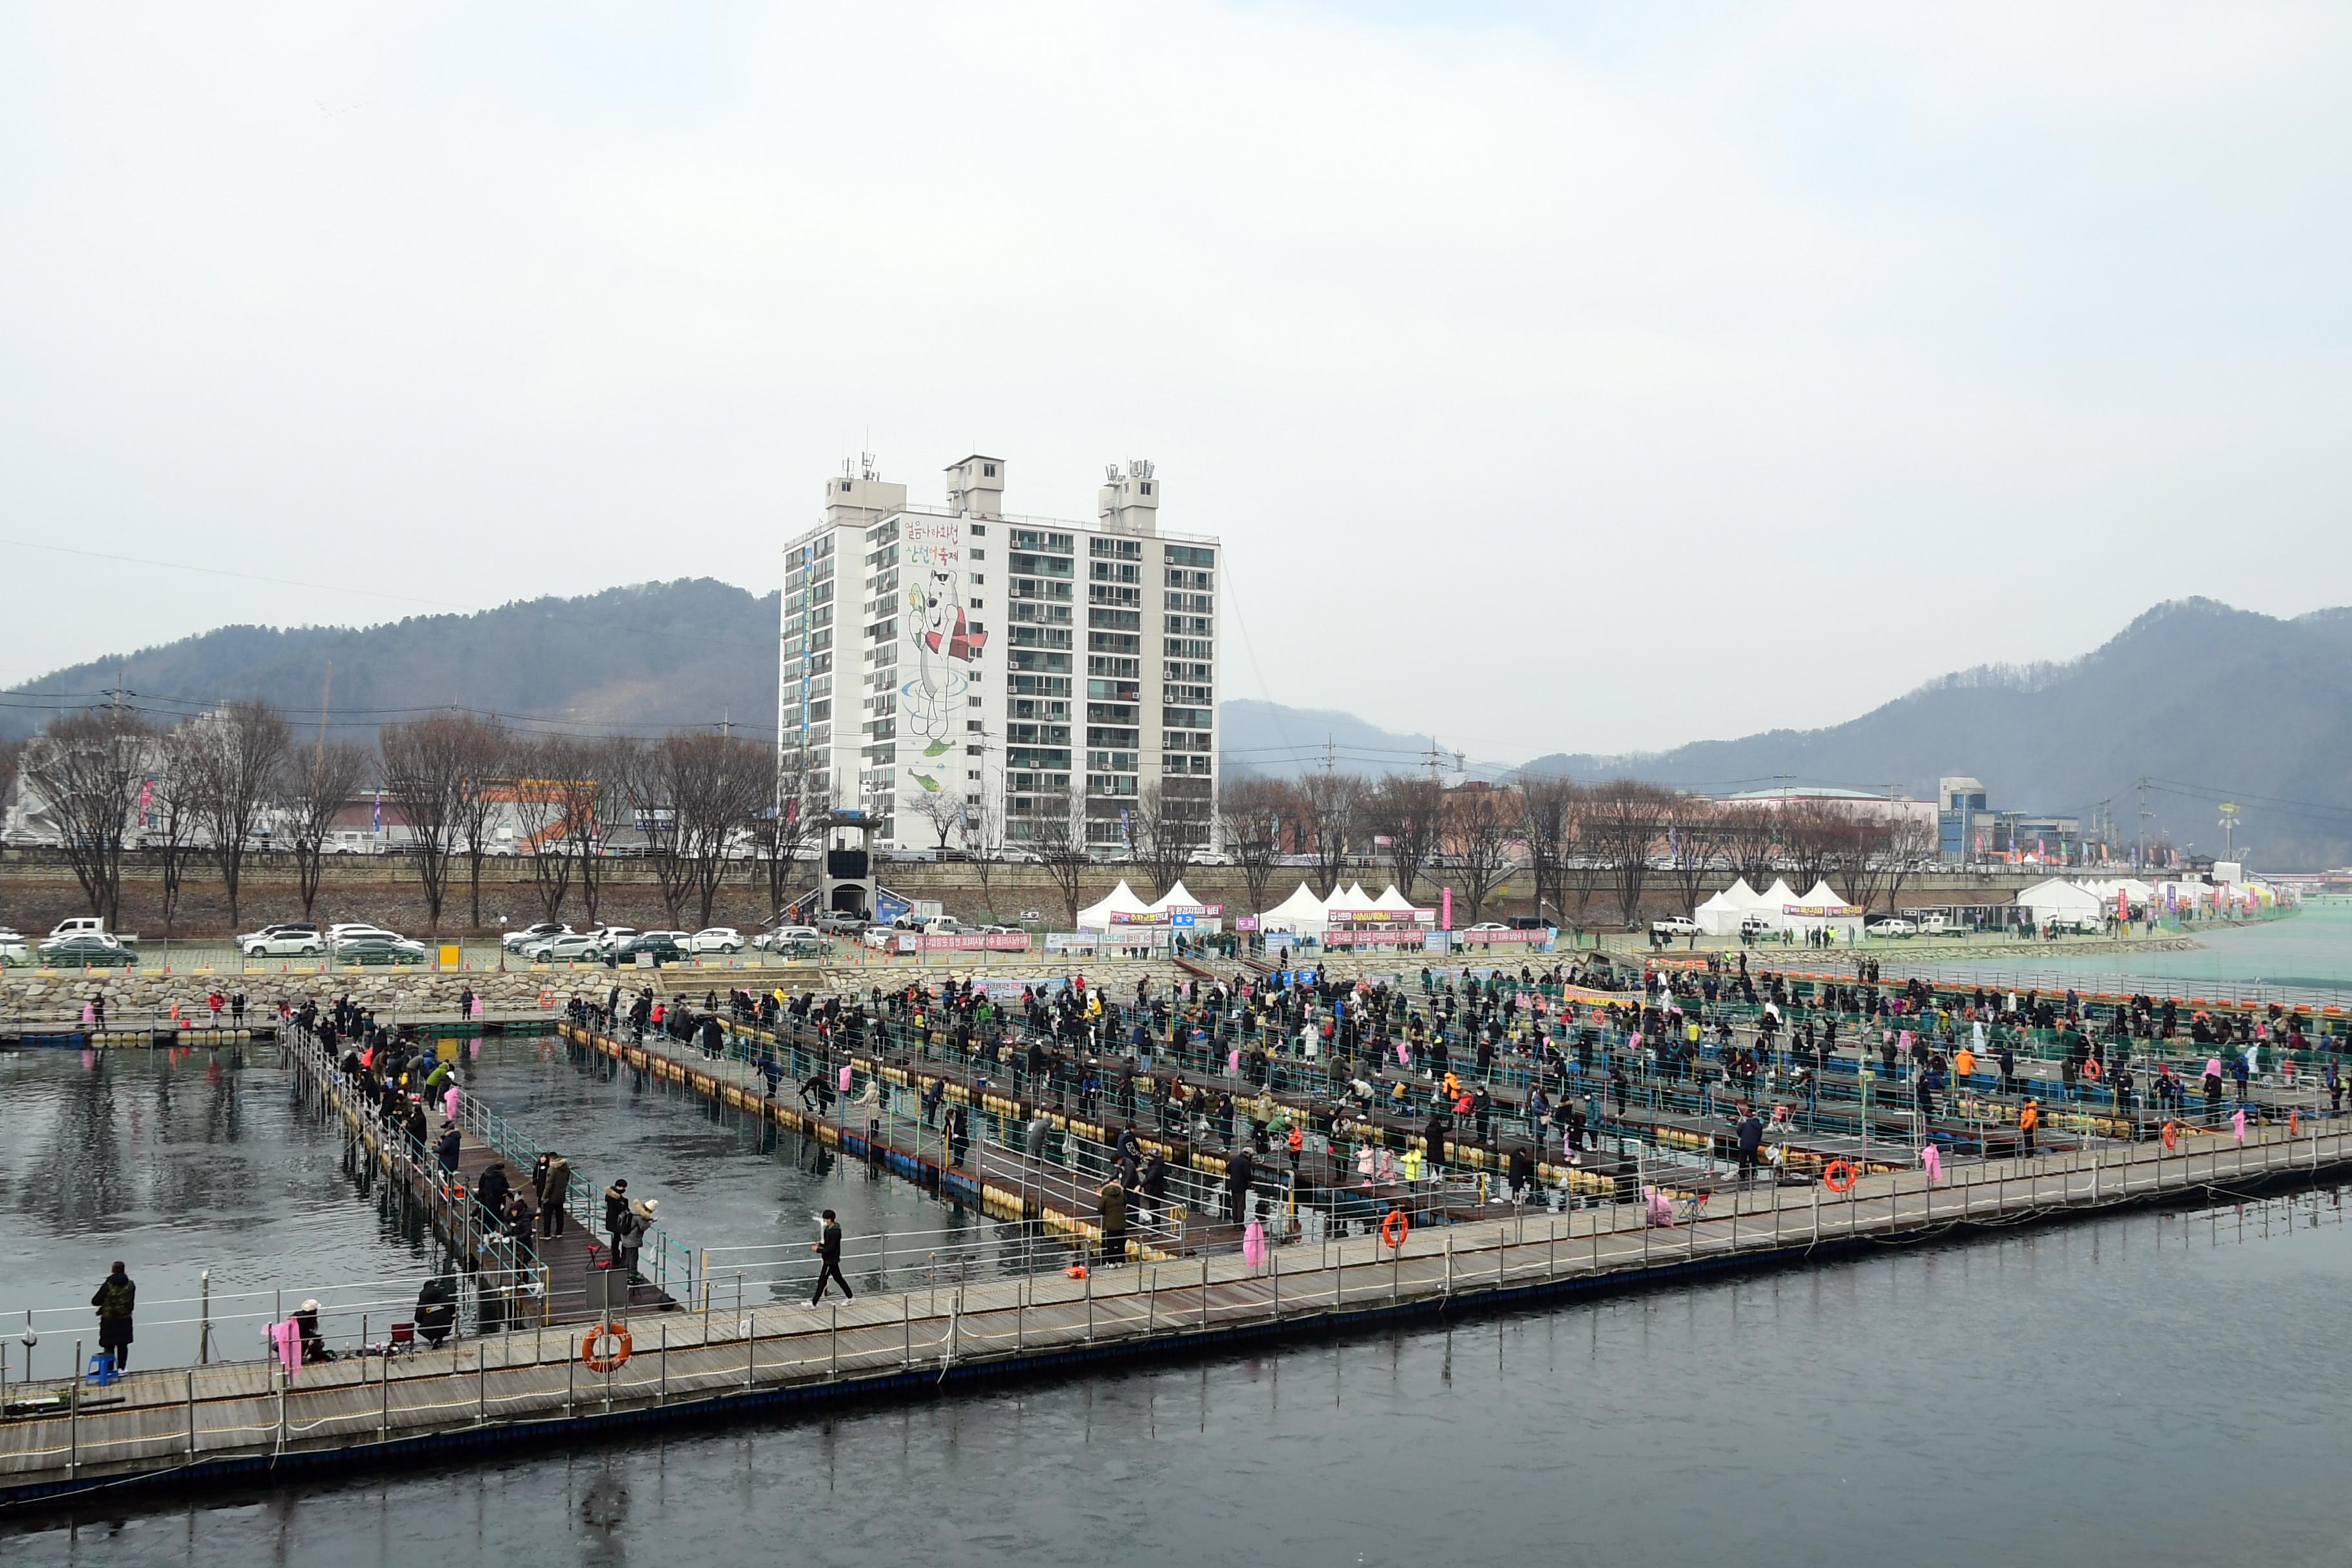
x=1480 y=824
x=1910 y=847
x=789 y=823
x=1626 y=820
x=320 y=783
x=1856 y=852
x=554 y=777
x=165 y=816
x=1168 y=829
x=12 y=758
x=984 y=831
x=1549 y=806
x=695 y=796
x=425 y=765
x=88 y=769
x=1693 y=845
x=942 y=811
x=1052 y=833
x=1329 y=807
x=1408 y=810
x=1749 y=837
x=596 y=784
x=1811 y=831
x=485 y=784
x=236 y=756
x=1251 y=812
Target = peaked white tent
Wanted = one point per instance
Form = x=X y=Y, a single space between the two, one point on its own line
x=1177 y=897
x=1721 y=914
x=1352 y=896
x=2057 y=899
x=1823 y=908
x=1302 y=912
x=1122 y=901
x=1393 y=901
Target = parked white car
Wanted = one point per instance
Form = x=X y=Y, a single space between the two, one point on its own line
x=567 y=947
x=713 y=938
x=355 y=934
x=1676 y=925
x=293 y=938
x=1891 y=926
x=607 y=938
x=14 y=948
x=781 y=937
x=531 y=936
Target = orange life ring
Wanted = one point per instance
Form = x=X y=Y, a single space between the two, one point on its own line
x=2172 y=1134
x=2092 y=1069
x=599 y=1361
x=1395 y=1227
x=1838 y=1176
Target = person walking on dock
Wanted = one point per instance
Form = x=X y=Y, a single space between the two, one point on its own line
x=827 y=1247
x=116 y=1299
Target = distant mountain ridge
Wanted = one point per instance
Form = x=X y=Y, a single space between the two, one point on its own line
x=649 y=658
x=2208 y=702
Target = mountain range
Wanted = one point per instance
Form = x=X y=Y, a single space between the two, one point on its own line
x=2206 y=702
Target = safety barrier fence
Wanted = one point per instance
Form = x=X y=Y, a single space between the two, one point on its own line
x=158 y=1421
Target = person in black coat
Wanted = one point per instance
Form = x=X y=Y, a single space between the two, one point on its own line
x=1240 y=1173
x=446 y=1150
x=827 y=1248
x=116 y=1299
x=437 y=1309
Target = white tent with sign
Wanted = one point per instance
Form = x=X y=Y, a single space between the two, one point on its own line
x=1122 y=901
x=1824 y=909
x=1349 y=898
x=1772 y=904
x=1302 y=913
x=1721 y=914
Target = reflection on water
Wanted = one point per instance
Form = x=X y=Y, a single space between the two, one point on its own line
x=2147 y=1386
x=180 y=1162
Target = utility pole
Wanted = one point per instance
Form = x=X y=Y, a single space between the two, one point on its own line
x=325 y=699
x=2144 y=814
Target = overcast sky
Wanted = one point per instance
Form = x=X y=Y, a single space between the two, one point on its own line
x=1556 y=383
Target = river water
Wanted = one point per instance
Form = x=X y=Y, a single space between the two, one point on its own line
x=2153 y=1386
x=2146 y=1387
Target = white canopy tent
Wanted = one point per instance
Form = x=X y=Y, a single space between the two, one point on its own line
x=1721 y=914
x=1824 y=909
x=2056 y=898
x=1396 y=903
x=1177 y=897
x=1120 y=901
x=1302 y=913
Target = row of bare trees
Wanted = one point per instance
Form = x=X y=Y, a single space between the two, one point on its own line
x=1609 y=843
x=453 y=789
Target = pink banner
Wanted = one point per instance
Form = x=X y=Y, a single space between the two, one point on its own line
x=991 y=940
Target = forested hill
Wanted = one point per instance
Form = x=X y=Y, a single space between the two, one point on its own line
x=650 y=658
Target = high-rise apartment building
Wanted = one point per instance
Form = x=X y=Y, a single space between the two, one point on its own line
x=961 y=672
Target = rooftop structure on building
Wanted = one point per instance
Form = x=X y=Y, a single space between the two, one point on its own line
x=971 y=678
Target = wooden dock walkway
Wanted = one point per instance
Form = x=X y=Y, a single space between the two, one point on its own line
x=548 y=1283
x=196 y=1426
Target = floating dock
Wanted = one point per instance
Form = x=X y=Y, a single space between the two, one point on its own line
x=200 y=1427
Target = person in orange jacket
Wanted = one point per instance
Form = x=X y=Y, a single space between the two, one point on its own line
x=2029 y=1117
